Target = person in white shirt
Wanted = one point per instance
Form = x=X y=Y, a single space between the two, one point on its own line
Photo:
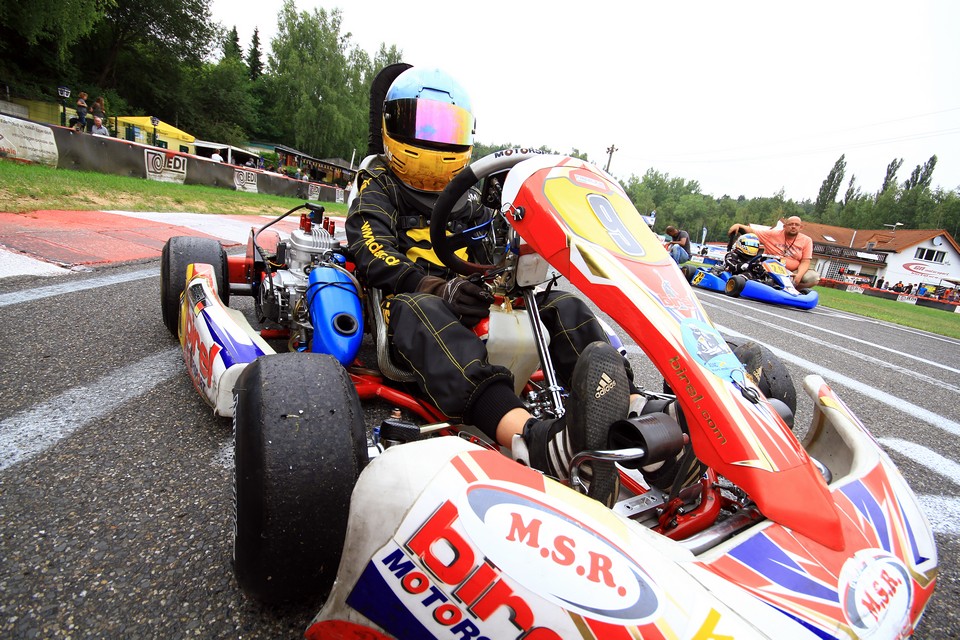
x=98 y=128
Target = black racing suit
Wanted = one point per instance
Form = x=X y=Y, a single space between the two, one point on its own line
x=388 y=234
x=735 y=263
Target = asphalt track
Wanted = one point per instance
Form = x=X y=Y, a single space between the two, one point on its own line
x=115 y=477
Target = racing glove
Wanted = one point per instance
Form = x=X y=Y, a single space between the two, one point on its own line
x=466 y=298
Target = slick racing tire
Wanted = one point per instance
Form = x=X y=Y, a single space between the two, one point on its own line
x=735 y=285
x=689 y=271
x=178 y=253
x=766 y=370
x=299 y=446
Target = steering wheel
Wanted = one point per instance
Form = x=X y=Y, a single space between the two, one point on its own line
x=446 y=246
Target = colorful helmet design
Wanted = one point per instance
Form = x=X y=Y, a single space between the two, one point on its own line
x=428 y=128
x=748 y=245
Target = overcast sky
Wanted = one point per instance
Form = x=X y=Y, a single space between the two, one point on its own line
x=745 y=97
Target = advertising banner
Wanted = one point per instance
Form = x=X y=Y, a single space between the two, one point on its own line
x=29 y=141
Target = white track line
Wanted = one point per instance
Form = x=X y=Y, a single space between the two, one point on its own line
x=890 y=400
x=781 y=318
x=877 y=362
x=31 y=295
x=30 y=432
x=894 y=402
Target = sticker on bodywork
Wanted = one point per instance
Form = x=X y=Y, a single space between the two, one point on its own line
x=709 y=348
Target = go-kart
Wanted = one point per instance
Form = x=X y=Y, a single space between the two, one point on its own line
x=763 y=278
x=418 y=528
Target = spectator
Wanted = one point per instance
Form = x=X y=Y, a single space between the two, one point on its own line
x=98 y=129
x=793 y=248
x=898 y=287
x=97 y=111
x=922 y=290
x=82 y=111
x=879 y=284
x=216 y=157
x=679 y=246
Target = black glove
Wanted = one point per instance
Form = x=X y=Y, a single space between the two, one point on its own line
x=466 y=298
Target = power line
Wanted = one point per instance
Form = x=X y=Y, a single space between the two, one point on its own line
x=812 y=151
x=833 y=132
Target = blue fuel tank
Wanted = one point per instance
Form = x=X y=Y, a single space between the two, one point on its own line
x=335 y=312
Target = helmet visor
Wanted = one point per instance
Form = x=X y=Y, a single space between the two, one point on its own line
x=428 y=121
x=748 y=246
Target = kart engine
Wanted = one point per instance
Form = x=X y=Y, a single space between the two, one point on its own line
x=292 y=293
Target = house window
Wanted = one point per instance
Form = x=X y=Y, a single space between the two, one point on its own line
x=930 y=255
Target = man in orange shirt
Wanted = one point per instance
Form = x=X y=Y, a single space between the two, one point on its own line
x=793 y=248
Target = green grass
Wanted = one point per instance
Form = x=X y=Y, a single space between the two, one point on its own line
x=32 y=187
x=926 y=318
x=27 y=187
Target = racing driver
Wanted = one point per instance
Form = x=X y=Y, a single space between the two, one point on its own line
x=427 y=128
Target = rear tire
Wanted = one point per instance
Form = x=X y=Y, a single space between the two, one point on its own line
x=735 y=285
x=688 y=271
x=299 y=447
x=178 y=253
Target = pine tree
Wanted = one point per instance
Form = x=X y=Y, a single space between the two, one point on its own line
x=231 y=45
x=253 y=57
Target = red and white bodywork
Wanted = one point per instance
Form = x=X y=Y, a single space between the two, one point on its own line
x=217 y=341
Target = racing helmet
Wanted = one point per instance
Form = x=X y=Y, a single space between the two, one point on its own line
x=428 y=128
x=748 y=245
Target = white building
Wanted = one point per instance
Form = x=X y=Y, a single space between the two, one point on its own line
x=911 y=256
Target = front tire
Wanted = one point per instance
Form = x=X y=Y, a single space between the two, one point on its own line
x=178 y=253
x=299 y=447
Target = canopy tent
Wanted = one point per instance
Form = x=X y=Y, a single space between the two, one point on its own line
x=229 y=153
x=163 y=129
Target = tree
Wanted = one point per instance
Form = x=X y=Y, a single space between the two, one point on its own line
x=853 y=191
x=231 y=45
x=52 y=21
x=921 y=176
x=830 y=187
x=640 y=195
x=316 y=88
x=139 y=36
x=890 y=180
x=916 y=203
x=224 y=108
x=254 y=57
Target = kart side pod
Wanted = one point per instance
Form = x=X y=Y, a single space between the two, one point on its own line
x=335 y=313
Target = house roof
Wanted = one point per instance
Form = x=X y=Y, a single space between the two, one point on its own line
x=882 y=239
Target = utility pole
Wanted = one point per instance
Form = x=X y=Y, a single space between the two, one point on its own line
x=610 y=151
